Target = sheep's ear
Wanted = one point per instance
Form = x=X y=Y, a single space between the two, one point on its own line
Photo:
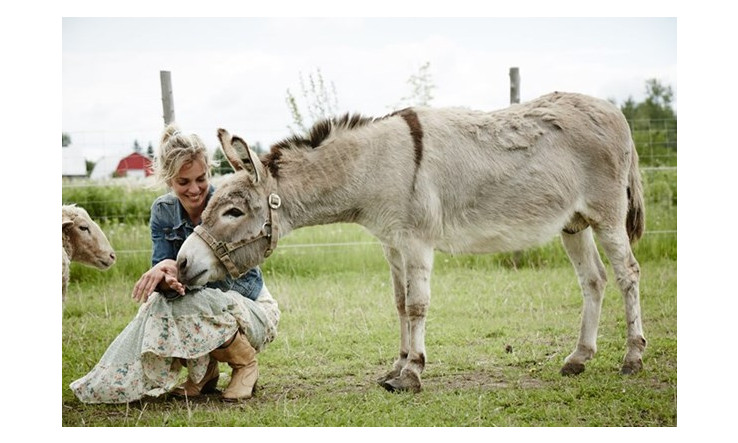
x=239 y=155
x=67 y=220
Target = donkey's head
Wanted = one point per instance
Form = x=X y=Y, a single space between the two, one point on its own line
x=239 y=227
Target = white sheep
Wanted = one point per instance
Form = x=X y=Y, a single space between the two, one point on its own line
x=82 y=241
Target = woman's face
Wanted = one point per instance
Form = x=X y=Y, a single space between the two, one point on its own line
x=191 y=186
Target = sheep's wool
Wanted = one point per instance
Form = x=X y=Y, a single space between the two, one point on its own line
x=144 y=359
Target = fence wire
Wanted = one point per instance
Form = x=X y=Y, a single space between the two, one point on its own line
x=138 y=219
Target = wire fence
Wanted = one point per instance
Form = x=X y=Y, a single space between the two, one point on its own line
x=660 y=194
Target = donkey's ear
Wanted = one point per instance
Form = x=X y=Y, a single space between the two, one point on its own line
x=239 y=155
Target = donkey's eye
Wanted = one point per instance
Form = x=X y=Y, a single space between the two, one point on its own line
x=84 y=228
x=233 y=212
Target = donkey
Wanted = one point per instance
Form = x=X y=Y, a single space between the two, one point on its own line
x=455 y=180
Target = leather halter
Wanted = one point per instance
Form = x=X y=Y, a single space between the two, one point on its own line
x=222 y=250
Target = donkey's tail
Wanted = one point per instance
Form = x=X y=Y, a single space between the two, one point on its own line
x=636 y=220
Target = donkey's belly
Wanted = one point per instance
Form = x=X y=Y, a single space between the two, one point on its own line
x=493 y=239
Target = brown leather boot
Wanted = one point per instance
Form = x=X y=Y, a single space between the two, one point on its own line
x=206 y=386
x=240 y=356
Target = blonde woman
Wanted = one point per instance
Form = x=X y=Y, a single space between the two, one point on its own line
x=228 y=321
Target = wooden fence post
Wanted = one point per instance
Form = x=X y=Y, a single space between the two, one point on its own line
x=514 y=86
x=167 y=98
x=517 y=256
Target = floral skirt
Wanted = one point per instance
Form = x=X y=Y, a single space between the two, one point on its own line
x=144 y=360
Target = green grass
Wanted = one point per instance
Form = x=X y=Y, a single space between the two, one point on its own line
x=339 y=332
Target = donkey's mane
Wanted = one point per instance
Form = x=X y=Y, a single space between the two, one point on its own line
x=314 y=137
x=323 y=129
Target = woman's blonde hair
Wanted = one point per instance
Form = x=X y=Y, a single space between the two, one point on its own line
x=177 y=149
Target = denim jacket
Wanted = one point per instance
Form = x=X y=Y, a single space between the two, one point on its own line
x=170 y=226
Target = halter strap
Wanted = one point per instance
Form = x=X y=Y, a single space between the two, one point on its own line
x=222 y=250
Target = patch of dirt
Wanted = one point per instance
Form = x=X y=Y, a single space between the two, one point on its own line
x=482 y=380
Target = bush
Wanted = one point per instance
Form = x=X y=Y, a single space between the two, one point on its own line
x=122 y=203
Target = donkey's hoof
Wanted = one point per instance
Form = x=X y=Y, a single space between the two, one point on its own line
x=632 y=367
x=406 y=382
x=572 y=369
x=388 y=376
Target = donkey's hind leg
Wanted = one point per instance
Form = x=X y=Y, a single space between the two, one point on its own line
x=616 y=244
x=590 y=271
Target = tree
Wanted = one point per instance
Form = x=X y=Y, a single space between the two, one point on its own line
x=653 y=123
x=66 y=140
x=221 y=165
x=319 y=101
x=656 y=106
x=150 y=151
x=136 y=147
x=421 y=88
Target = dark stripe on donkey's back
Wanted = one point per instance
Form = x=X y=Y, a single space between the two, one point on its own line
x=416 y=132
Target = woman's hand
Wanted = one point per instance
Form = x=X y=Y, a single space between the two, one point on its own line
x=162 y=274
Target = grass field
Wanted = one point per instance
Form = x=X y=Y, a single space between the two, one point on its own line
x=498 y=330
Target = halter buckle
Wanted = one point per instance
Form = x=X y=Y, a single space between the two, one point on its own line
x=275 y=202
x=220 y=249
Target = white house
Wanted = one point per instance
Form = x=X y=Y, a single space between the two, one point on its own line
x=105 y=167
x=73 y=162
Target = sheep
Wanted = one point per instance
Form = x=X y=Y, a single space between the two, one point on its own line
x=82 y=241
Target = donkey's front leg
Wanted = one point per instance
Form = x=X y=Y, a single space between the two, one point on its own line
x=399 y=283
x=418 y=261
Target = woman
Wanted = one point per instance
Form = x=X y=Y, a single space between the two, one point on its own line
x=227 y=321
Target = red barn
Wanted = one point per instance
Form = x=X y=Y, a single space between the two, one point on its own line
x=135 y=165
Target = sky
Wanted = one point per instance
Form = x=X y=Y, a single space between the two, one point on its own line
x=235 y=72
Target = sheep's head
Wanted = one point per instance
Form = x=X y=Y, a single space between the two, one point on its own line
x=83 y=239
